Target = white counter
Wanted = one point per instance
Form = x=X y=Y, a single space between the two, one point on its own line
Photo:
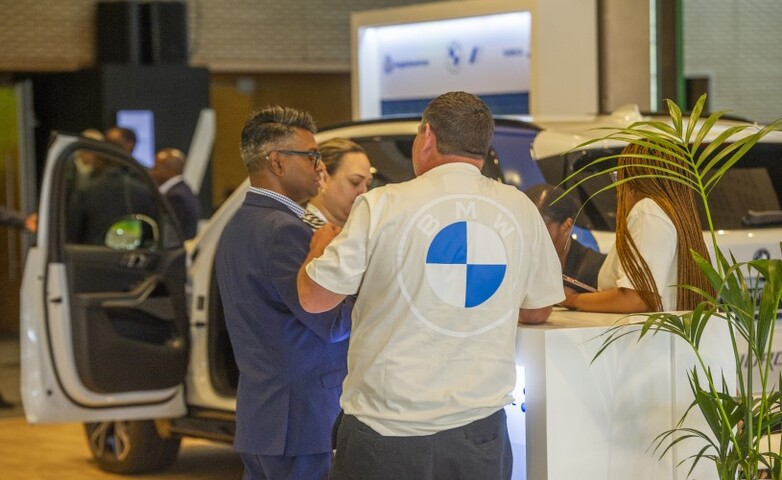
x=599 y=421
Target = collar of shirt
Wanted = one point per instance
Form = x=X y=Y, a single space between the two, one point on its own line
x=168 y=184
x=316 y=211
x=451 y=167
x=292 y=206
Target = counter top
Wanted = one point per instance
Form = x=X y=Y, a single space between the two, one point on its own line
x=564 y=318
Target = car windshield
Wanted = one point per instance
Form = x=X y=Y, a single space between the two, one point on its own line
x=749 y=195
x=391 y=158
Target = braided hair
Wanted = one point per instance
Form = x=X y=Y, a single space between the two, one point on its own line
x=637 y=165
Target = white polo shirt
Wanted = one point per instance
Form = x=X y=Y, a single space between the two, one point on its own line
x=655 y=236
x=441 y=264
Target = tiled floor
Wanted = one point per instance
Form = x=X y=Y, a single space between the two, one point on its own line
x=59 y=452
x=9 y=377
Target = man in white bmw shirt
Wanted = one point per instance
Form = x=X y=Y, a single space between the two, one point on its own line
x=447 y=264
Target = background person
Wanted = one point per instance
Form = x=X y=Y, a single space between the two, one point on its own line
x=578 y=262
x=85 y=159
x=167 y=173
x=291 y=362
x=111 y=194
x=657 y=226
x=447 y=265
x=12 y=218
x=124 y=138
x=346 y=175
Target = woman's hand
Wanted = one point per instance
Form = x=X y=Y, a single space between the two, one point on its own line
x=614 y=300
x=570 y=299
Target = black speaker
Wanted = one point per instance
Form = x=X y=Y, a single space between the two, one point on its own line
x=165 y=33
x=118 y=28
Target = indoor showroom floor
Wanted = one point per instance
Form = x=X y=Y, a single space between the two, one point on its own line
x=59 y=452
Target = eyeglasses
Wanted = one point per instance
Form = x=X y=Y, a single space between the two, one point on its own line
x=313 y=156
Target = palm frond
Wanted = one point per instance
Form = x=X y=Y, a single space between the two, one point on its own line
x=676 y=116
x=748 y=295
x=708 y=124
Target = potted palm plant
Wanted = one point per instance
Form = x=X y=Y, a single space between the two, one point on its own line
x=740 y=423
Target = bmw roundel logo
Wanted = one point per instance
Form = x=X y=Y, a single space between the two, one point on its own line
x=458 y=270
x=761 y=254
x=452 y=264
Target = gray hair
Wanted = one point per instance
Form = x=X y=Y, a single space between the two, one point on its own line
x=267 y=126
x=462 y=124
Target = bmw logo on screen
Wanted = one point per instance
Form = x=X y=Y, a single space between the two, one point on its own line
x=453 y=57
x=452 y=264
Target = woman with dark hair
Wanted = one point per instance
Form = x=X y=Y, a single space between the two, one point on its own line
x=579 y=263
x=657 y=227
x=346 y=175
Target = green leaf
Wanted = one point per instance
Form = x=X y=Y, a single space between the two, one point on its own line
x=676 y=116
x=695 y=115
x=704 y=265
x=705 y=129
x=712 y=147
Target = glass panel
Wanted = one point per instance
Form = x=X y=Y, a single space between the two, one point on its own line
x=392 y=159
x=100 y=191
x=753 y=184
x=513 y=148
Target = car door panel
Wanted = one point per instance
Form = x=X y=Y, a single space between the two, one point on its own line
x=65 y=343
x=124 y=313
x=110 y=340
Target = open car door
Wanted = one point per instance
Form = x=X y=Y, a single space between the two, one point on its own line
x=104 y=332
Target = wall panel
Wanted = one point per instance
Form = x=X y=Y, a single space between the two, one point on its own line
x=225 y=35
x=233 y=97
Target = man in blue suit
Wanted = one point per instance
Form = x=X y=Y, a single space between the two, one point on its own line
x=291 y=362
x=167 y=173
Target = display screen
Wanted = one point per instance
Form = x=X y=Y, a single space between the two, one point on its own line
x=142 y=122
x=402 y=67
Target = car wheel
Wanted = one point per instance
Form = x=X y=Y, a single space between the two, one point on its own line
x=130 y=446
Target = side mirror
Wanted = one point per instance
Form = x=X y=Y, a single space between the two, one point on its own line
x=131 y=233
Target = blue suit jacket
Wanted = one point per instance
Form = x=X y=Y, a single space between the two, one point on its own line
x=185 y=205
x=291 y=363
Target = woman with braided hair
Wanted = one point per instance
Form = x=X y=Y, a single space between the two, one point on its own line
x=657 y=226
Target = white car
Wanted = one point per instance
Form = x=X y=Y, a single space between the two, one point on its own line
x=127 y=334
x=745 y=205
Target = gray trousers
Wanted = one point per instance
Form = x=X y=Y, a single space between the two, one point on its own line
x=477 y=451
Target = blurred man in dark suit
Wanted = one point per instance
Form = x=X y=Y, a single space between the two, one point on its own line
x=167 y=173
x=113 y=193
x=124 y=138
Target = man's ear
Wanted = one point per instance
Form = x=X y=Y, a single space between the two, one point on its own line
x=275 y=164
x=567 y=225
x=430 y=139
